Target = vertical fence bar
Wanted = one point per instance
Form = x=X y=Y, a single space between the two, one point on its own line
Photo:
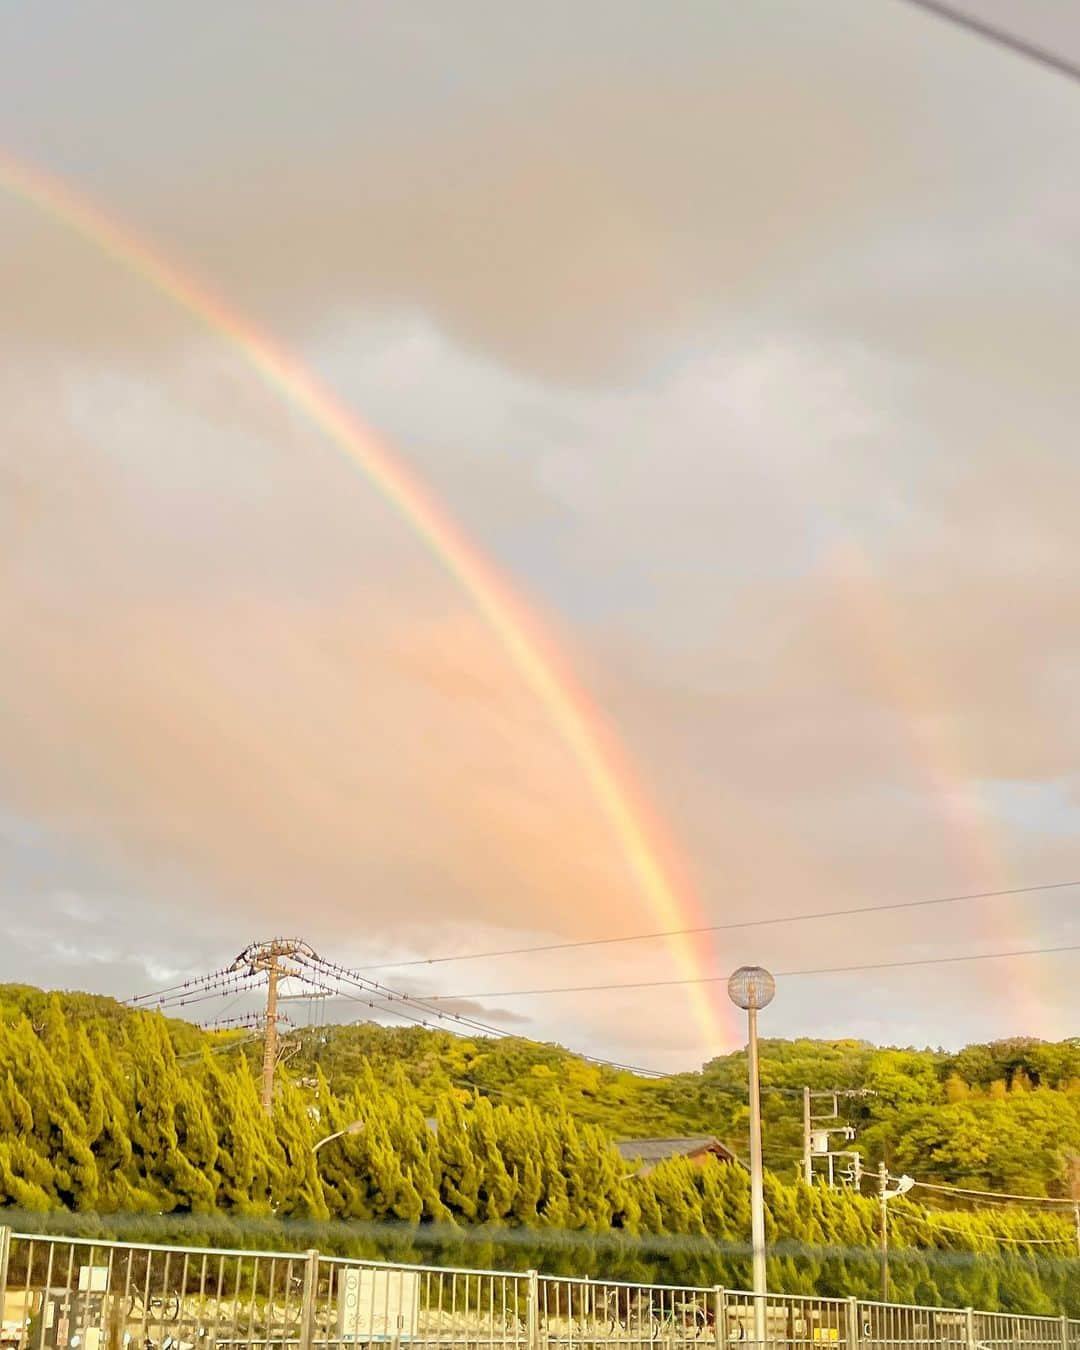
x=851 y=1324
x=532 y=1312
x=45 y=1297
x=307 y=1298
x=720 y=1317
x=969 y=1325
x=24 y=1334
x=5 y=1256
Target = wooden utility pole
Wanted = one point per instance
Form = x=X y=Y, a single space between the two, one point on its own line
x=270 y=1033
x=270 y=958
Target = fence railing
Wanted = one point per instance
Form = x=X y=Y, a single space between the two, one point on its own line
x=62 y=1293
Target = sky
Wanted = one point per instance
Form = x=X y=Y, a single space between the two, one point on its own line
x=740 y=339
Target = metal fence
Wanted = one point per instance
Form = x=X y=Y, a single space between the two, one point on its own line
x=63 y=1293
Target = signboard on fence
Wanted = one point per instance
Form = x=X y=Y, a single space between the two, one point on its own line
x=95 y=1278
x=377 y=1305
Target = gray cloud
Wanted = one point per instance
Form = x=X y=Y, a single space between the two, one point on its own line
x=752 y=366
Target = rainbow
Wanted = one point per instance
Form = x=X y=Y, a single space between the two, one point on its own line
x=649 y=854
x=935 y=753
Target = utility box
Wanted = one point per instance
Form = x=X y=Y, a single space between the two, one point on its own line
x=377 y=1306
x=18 y=1308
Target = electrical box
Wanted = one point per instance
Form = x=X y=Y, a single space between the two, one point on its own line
x=377 y=1305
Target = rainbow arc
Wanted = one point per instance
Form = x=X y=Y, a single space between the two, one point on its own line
x=641 y=838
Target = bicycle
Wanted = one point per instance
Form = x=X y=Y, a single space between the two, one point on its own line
x=160 y=1308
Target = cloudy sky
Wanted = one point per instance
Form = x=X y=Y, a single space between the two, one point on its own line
x=741 y=338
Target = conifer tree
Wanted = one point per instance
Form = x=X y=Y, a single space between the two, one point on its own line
x=495 y=1187
x=460 y=1180
x=297 y=1188
x=155 y=1095
x=107 y=1128
x=58 y=1131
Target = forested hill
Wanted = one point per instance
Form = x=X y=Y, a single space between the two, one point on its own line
x=1004 y=1116
x=499 y=1153
x=999 y=1117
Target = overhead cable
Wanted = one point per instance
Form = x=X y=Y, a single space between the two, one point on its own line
x=1001 y=36
x=780 y=974
x=997 y=1195
x=731 y=927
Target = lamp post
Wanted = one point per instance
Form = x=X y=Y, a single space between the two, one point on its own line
x=752 y=988
x=354 y=1128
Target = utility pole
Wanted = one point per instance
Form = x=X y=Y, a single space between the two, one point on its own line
x=807 y=1121
x=903 y=1185
x=883 y=1224
x=270 y=1034
x=817 y=1130
x=272 y=958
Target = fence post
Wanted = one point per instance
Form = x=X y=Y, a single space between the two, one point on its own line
x=969 y=1323
x=851 y=1324
x=310 y=1297
x=720 y=1317
x=5 y=1252
x=1064 y=1332
x=532 y=1312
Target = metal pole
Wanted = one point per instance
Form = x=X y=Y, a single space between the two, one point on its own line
x=310 y=1295
x=851 y=1324
x=757 y=1190
x=270 y=1036
x=5 y=1253
x=883 y=1181
x=720 y=1317
x=807 y=1144
x=532 y=1311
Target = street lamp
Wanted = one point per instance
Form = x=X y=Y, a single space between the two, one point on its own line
x=354 y=1128
x=752 y=988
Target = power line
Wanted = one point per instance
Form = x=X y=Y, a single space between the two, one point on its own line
x=218 y=1049
x=786 y=974
x=193 y=983
x=720 y=927
x=342 y=974
x=221 y=991
x=1043 y=55
x=383 y=996
x=933 y=1226
x=328 y=977
x=996 y=1195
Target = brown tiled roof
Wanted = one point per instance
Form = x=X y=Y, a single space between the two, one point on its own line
x=652 y=1151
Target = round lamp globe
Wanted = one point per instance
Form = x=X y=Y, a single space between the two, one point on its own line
x=751 y=987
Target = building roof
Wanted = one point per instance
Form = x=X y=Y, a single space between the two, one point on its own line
x=652 y=1151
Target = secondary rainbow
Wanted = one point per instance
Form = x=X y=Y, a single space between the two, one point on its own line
x=936 y=753
x=649 y=854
